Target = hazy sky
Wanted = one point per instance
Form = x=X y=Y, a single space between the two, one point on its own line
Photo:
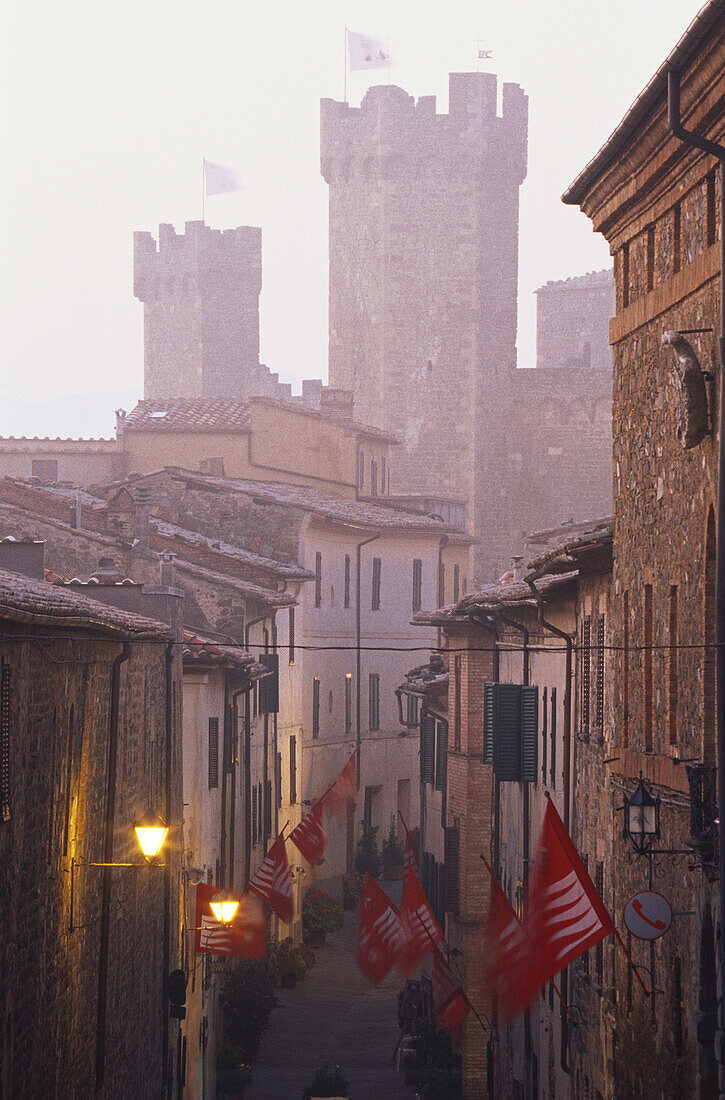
x=110 y=107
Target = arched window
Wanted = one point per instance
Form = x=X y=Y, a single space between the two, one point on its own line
x=709 y=733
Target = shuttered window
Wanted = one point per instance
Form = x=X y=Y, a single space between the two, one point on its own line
x=427 y=749
x=260 y=810
x=374 y=701
x=361 y=470
x=456 y=583
x=553 y=737
x=348 y=704
x=5 y=726
x=451 y=863
x=292 y=635
x=293 y=770
x=315 y=706
x=346 y=591
x=254 y=814
x=318 y=579
x=377 y=570
x=269 y=684
x=213 y=753
x=417 y=584
x=510 y=731
x=373 y=479
x=441 y=754
x=278 y=778
x=544 y=730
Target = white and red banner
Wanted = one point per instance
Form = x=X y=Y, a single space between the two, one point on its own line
x=272 y=881
x=245 y=936
x=344 y=789
x=379 y=934
x=309 y=836
x=420 y=928
x=450 y=1003
x=507 y=956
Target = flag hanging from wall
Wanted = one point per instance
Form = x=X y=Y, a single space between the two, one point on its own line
x=272 y=881
x=220 y=180
x=508 y=970
x=344 y=788
x=245 y=936
x=565 y=915
x=379 y=933
x=365 y=52
x=420 y=928
x=309 y=836
x=450 y=1003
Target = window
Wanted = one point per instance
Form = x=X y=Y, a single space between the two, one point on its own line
x=374 y=701
x=5 y=683
x=586 y=674
x=213 y=753
x=373 y=479
x=417 y=584
x=451 y=862
x=348 y=704
x=456 y=583
x=553 y=737
x=441 y=584
x=510 y=731
x=647 y=668
x=254 y=814
x=318 y=579
x=45 y=468
x=293 y=770
x=457 y=703
x=292 y=635
x=441 y=754
x=625 y=671
x=347 y=580
x=361 y=470
x=599 y=680
x=382 y=475
x=544 y=731
x=427 y=749
x=672 y=681
x=412 y=719
x=315 y=706
x=377 y=565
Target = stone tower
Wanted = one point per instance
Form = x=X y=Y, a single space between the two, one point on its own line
x=424 y=214
x=200 y=292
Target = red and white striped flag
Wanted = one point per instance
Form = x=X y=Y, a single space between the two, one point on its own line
x=410 y=860
x=565 y=915
x=309 y=836
x=507 y=957
x=420 y=928
x=272 y=881
x=245 y=936
x=344 y=788
x=450 y=1003
x=379 y=933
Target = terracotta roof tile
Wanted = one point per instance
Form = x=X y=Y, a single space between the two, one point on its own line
x=203 y=414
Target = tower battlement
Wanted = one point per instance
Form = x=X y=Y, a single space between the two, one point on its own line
x=199 y=249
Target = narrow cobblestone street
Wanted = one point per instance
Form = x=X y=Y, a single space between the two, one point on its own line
x=333 y=1015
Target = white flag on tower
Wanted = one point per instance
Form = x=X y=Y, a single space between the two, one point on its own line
x=219 y=180
x=366 y=52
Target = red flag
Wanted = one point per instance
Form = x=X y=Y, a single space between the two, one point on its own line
x=344 y=788
x=309 y=836
x=410 y=857
x=420 y=928
x=379 y=933
x=246 y=936
x=507 y=957
x=272 y=881
x=450 y=1003
x=565 y=915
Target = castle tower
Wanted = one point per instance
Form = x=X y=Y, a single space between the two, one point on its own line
x=200 y=292
x=423 y=214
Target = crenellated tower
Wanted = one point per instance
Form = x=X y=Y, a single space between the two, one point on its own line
x=200 y=291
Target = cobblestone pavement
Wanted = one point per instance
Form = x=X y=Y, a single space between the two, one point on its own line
x=334 y=1014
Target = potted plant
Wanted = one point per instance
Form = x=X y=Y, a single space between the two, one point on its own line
x=329 y=1081
x=393 y=856
x=247 y=999
x=320 y=914
x=352 y=886
x=367 y=857
x=287 y=963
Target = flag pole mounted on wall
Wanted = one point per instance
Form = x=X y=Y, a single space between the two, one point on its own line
x=203 y=190
x=344 y=93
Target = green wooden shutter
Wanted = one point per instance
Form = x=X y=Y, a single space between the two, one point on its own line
x=490 y=699
x=441 y=754
x=451 y=863
x=427 y=750
x=507 y=742
x=529 y=734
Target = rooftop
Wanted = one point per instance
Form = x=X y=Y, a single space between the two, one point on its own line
x=198 y=649
x=496 y=597
x=570 y=551
x=605 y=277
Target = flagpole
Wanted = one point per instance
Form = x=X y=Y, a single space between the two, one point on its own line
x=203 y=190
x=344 y=94
x=631 y=962
x=485 y=1025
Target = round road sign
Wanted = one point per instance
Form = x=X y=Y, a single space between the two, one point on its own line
x=647 y=915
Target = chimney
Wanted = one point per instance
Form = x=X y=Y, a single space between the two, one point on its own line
x=166 y=571
x=142 y=497
x=337 y=403
x=107 y=573
x=76 y=513
x=517 y=564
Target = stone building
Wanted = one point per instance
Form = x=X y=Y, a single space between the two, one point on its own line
x=572 y=322
x=88 y=745
x=655 y=199
x=423 y=311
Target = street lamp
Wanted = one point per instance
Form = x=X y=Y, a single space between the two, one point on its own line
x=224 y=907
x=151 y=834
x=642 y=818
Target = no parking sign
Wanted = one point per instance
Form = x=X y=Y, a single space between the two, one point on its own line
x=647 y=915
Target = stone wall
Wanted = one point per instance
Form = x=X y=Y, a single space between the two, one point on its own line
x=572 y=322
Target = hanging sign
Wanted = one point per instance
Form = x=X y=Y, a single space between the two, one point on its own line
x=647 y=915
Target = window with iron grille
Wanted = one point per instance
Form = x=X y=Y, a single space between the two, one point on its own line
x=318 y=579
x=315 y=706
x=417 y=584
x=346 y=592
x=213 y=753
x=293 y=770
x=374 y=701
x=511 y=731
x=5 y=730
x=377 y=569
x=599 y=697
x=586 y=673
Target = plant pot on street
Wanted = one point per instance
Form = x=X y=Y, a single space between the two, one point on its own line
x=288 y=981
x=393 y=872
x=315 y=939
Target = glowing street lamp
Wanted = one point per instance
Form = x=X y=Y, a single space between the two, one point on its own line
x=642 y=818
x=151 y=834
x=224 y=907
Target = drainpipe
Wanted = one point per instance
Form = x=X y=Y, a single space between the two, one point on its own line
x=718 y=151
x=567 y=792
x=235 y=724
x=247 y=762
x=168 y=748
x=358 y=633
x=526 y=808
x=120 y=659
x=491 y=625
